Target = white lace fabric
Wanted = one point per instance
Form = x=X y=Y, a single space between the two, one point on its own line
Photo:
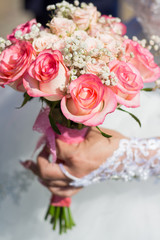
x=134 y=158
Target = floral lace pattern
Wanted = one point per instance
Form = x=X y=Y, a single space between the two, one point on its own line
x=135 y=158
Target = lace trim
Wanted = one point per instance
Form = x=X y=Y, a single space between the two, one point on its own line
x=135 y=158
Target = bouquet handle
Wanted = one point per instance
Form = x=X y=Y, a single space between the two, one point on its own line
x=59 y=207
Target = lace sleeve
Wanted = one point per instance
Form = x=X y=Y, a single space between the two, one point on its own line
x=134 y=158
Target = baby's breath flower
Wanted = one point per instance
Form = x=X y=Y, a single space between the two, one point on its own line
x=73 y=77
x=2 y=46
x=27 y=36
x=18 y=34
x=118 y=20
x=8 y=43
x=76 y=3
x=83 y=5
x=156 y=47
x=107 y=82
x=135 y=38
x=4 y=43
x=102 y=20
x=151 y=42
x=51 y=7
x=82 y=71
x=88 y=58
x=93 y=60
x=149 y=47
x=125 y=37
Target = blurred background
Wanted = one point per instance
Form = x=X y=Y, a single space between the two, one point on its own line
x=16 y=12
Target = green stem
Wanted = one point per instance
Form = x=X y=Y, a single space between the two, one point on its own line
x=72 y=223
x=62 y=215
x=68 y=123
x=80 y=126
x=60 y=221
x=50 y=211
x=57 y=213
x=65 y=217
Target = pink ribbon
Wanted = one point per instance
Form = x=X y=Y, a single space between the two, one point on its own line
x=42 y=125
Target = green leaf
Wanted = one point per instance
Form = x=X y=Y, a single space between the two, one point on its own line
x=132 y=115
x=147 y=89
x=104 y=134
x=26 y=99
x=53 y=124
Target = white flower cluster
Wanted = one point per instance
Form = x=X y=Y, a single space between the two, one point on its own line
x=4 y=43
x=108 y=78
x=152 y=44
x=76 y=57
x=111 y=20
x=157 y=84
x=35 y=31
x=63 y=9
x=142 y=42
x=155 y=42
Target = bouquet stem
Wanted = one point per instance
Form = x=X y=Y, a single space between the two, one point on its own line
x=62 y=215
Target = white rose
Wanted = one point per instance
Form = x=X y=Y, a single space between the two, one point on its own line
x=45 y=41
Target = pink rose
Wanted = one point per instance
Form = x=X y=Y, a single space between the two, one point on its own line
x=47 y=76
x=91 y=43
x=59 y=45
x=62 y=26
x=116 y=27
x=111 y=42
x=14 y=62
x=83 y=17
x=81 y=34
x=143 y=60
x=24 y=28
x=130 y=82
x=95 y=68
x=89 y=102
x=45 y=41
x=95 y=29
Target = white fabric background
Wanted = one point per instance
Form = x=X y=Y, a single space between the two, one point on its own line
x=110 y=210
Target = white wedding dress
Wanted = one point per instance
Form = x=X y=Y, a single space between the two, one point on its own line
x=110 y=210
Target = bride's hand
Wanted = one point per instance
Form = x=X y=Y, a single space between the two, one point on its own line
x=78 y=159
x=83 y=158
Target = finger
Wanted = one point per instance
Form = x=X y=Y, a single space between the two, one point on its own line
x=49 y=171
x=64 y=192
x=28 y=164
x=45 y=152
x=56 y=183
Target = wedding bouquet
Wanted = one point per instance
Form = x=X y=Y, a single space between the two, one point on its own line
x=83 y=67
